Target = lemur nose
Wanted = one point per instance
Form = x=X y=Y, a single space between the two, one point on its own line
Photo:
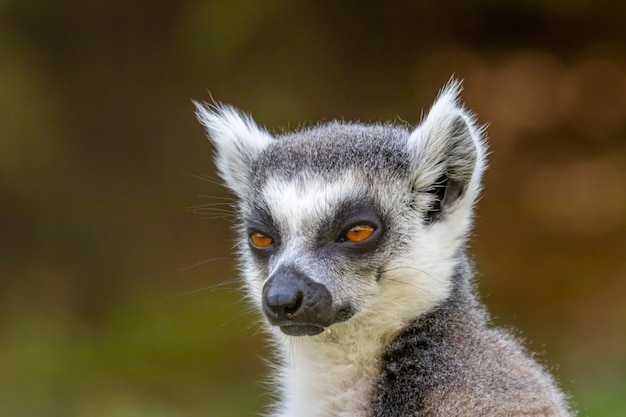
x=292 y=298
x=284 y=302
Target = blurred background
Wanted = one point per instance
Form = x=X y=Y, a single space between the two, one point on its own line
x=118 y=295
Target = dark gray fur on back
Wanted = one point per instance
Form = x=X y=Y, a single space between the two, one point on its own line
x=448 y=362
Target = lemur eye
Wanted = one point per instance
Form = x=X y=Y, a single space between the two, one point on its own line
x=260 y=240
x=359 y=233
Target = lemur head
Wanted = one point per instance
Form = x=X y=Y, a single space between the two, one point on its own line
x=348 y=224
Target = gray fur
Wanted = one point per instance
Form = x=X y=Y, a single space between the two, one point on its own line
x=450 y=363
x=388 y=326
x=377 y=149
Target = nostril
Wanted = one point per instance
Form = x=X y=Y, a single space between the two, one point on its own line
x=284 y=304
x=292 y=308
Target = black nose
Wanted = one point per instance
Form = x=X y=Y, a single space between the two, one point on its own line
x=296 y=303
x=283 y=301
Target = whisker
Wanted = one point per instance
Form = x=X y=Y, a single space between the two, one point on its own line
x=424 y=289
x=211 y=210
x=214 y=212
x=209 y=205
x=244 y=313
x=203 y=177
x=409 y=267
x=188 y=267
x=219 y=286
x=258 y=330
x=219 y=217
x=232 y=200
x=258 y=326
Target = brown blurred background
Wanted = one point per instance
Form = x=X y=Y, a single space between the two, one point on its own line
x=101 y=162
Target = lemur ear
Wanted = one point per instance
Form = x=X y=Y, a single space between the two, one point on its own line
x=237 y=140
x=448 y=153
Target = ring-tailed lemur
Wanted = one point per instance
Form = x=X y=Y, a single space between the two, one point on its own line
x=352 y=243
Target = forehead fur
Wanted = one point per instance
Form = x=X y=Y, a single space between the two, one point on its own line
x=329 y=150
x=302 y=206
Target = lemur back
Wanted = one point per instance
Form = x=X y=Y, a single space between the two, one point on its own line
x=352 y=244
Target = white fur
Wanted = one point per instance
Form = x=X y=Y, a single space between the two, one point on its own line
x=237 y=139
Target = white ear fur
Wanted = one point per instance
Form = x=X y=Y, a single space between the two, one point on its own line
x=237 y=140
x=449 y=142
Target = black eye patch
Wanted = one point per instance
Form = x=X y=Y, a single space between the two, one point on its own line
x=262 y=223
x=348 y=216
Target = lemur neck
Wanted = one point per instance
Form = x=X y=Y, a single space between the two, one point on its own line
x=338 y=369
x=329 y=375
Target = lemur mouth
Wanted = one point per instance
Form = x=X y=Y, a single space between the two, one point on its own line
x=301 y=329
x=307 y=329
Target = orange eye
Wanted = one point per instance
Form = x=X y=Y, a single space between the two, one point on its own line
x=359 y=233
x=260 y=240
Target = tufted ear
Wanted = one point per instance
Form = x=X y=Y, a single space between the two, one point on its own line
x=237 y=140
x=448 y=153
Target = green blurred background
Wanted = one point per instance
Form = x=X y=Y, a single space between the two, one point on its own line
x=118 y=297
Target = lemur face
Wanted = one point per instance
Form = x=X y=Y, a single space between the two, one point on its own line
x=321 y=246
x=343 y=222
x=332 y=211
